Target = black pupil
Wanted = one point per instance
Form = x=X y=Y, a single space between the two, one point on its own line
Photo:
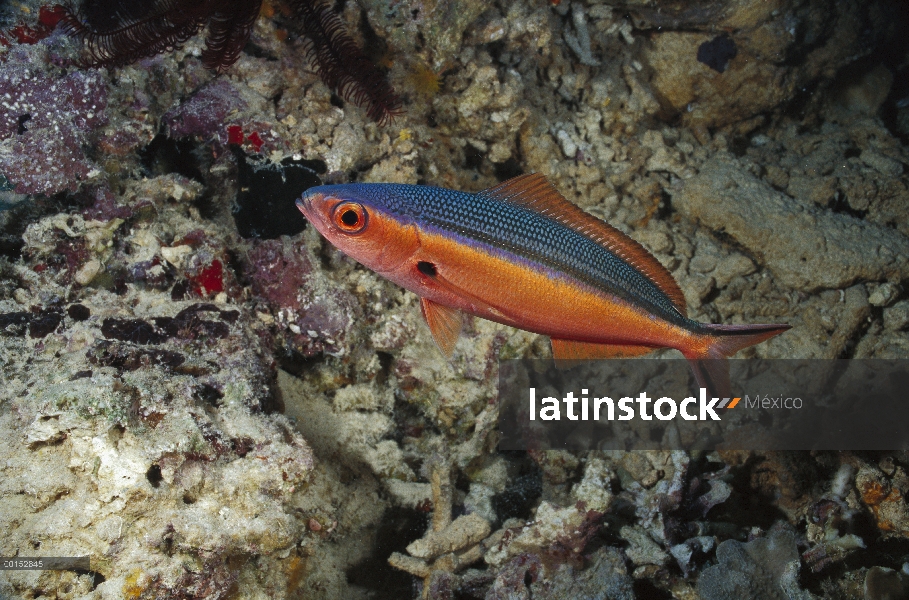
x=350 y=217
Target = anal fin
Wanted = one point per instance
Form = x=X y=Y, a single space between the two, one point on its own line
x=444 y=324
x=570 y=350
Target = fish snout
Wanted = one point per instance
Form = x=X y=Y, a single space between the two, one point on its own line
x=312 y=205
x=304 y=202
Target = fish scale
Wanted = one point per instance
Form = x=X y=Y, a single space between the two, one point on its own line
x=532 y=236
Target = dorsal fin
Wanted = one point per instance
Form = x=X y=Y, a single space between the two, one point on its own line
x=534 y=192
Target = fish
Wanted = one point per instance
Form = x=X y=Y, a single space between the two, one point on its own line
x=522 y=255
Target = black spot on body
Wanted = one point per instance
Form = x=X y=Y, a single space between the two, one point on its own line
x=426 y=268
x=717 y=53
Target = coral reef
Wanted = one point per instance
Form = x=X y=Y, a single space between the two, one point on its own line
x=212 y=402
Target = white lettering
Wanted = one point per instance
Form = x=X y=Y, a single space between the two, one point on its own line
x=707 y=407
x=570 y=401
x=684 y=411
x=643 y=400
x=610 y=414
x=550 y=410
x=625 y=407
x=659 y=414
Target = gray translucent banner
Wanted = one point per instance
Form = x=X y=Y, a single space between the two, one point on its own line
x=773 y=405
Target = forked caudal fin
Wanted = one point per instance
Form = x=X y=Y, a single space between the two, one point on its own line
x=711 y=369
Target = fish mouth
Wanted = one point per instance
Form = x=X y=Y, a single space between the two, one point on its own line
x=303 y=203
x=308 y=203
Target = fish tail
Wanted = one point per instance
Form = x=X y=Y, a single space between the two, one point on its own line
x=709 y=363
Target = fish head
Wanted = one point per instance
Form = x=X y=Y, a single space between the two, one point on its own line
x=356 y=221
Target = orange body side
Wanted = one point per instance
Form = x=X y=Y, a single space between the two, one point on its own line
x=542 y=301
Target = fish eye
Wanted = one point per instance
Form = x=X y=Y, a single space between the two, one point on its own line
x=350 y=217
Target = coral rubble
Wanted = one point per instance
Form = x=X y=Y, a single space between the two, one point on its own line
x=210 y=401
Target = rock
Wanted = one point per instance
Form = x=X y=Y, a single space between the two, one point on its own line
x=553 y=527
x=885 y=165
x=594 y=489
x=442 y=24
x=884 y=294
x=717 y=63
x=882 y=583
x=479 y=501
x=46 y=121
x=764 y=568
x=896 y=317
x=606 y=577
x=642 y=550
x=805 y=248
x=464 y=531
x=866 y=91
x=205 y=113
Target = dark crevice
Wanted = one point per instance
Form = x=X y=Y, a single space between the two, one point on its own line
x=522 y=492
x=841 y=205
x=508 y=169
x=399 y=527
x=473 y=157
x=296 y=363
x=164 y=155
x=153 y=475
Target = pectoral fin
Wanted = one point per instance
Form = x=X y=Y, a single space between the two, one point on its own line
x=444 y=324
x=570 y=350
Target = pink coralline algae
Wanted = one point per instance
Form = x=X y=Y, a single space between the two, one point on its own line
x=316 y=316
x=278 y=273
x=45 y=124
x=215 y=112
x=205 y=112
